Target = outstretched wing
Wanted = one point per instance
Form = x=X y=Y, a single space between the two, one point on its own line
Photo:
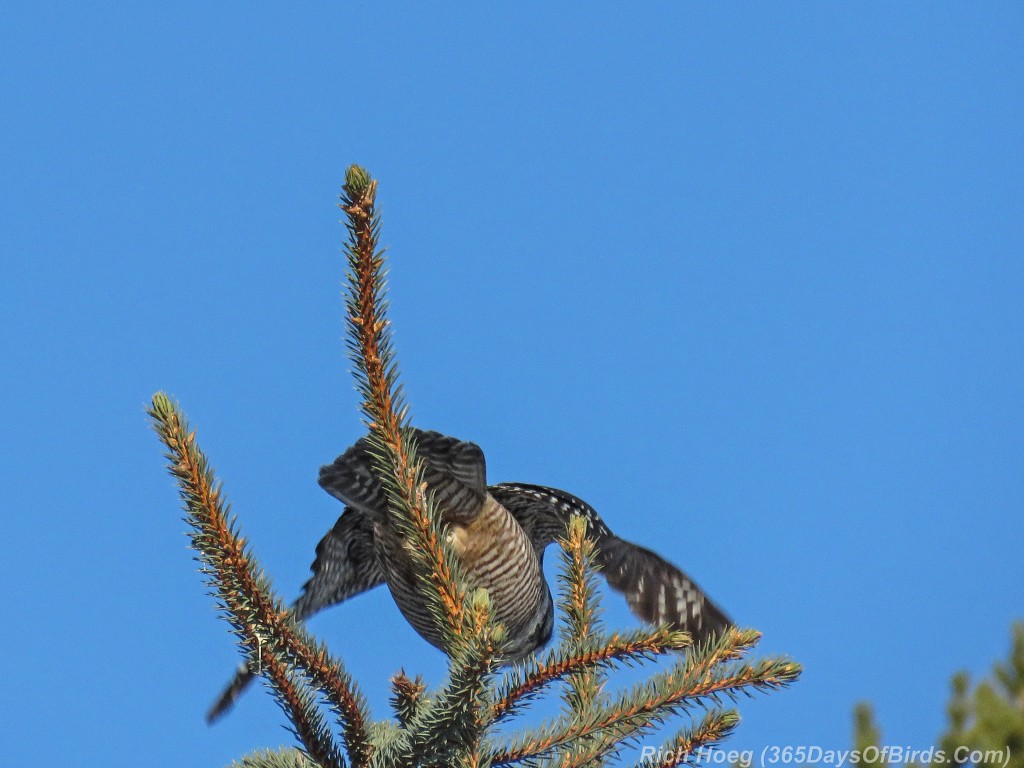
x=656 y=590
x=660 y=593
x=345 y=566
x=454 y=470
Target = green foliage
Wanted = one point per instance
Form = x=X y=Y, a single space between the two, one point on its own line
x=284 y=757
x=990 y=718
x=459 y=722
x=865 y=735
x=985 y=725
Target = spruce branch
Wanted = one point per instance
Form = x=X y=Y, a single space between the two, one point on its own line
x=268 y=634
x=713 y=728
x=407 y=697
x=299 y=703
x=450 y=727
x=699 y=679
x=376 y=371
x=582 y=611
x=526 y=682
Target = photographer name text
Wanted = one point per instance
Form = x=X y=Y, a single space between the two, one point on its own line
x=810 y=755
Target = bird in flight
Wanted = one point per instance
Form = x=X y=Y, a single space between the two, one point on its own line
x=498 y=533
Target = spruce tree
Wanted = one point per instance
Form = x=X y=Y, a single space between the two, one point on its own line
x=461 y=722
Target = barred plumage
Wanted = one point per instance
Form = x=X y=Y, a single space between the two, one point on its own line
x=499 y=534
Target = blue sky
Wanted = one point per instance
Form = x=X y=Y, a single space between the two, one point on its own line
x=746 y=278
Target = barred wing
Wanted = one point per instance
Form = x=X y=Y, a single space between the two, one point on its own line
x=656 y=590
x=454 y=470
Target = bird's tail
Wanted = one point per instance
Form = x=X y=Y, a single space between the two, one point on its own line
x=243 y=677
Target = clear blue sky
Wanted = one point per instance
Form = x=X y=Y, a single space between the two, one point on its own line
x=748 y=279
